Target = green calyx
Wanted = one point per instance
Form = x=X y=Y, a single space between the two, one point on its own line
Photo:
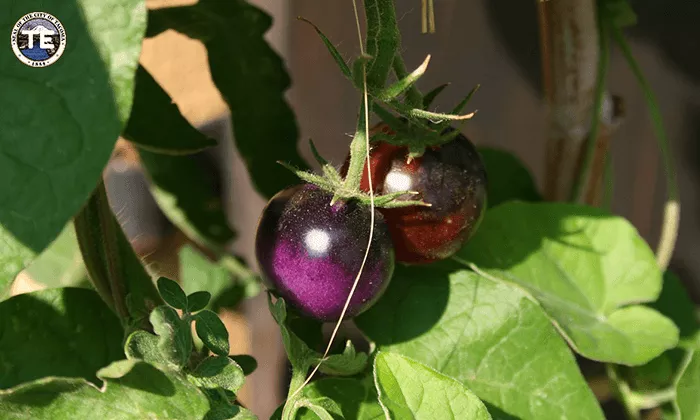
x=330 y=180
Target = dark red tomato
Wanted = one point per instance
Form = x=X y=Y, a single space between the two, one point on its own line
x=451 y=177
x=310 y=252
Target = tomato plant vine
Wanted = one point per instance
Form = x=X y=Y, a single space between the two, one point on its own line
x=477 y=298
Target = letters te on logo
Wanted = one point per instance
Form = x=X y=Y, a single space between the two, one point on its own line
x=38 y=39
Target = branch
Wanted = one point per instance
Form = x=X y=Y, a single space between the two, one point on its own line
x=570 y=56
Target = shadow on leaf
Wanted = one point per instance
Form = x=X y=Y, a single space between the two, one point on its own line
x=420 y=293
x=69 y=325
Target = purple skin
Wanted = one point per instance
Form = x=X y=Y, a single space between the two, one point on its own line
x=310 y=252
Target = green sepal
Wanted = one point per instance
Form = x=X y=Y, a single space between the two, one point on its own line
x=331 y=49
x=404 y=84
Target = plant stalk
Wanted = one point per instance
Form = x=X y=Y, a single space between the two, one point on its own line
x=622 y=390
x=570 y=56
x=585 y=188
x=290 y=406
x=383 y=39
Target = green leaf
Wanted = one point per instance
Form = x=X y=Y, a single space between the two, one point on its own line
x=331 y=49
x=348 y=363
x=508 y=178
x=132 y=391
x=688 y=388
x=212 y=332
x=241 y=414
x=219 y=372
x=357 y=398
x=60 y=123
x=156 y=124
x=226 y=411
x=197 y=273
x=56 y=332
x=246 y=362
x=489 y=336
x=324 y=407
x=588 y=269
x=252 y=79
x=172 y=293
x=61 y=264
x=383 y=39
x=110 y=260
x=198 y=301
x=186 y=190
x=175 y=341
x=142 y=345
x=409 y=389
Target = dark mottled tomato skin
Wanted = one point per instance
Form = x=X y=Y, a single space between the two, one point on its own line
x=451 y=177
x=310 y=252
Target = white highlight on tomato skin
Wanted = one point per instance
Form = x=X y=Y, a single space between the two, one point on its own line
x=397 y=181
x=317 y=241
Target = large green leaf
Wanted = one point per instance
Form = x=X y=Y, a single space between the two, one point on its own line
x=488 y=335
x=409 y=389
x=688 y=389
x=56 y=332
x=132 y=391
x=60 y=123
x=156 y=124
x=61 y=264
x=588 y=269
x=251 y=78
x=508 y=178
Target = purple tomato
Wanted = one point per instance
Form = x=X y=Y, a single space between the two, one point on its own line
x=310 y=252
x=451 y=177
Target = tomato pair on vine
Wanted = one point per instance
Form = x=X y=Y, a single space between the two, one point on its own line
x=310 y=249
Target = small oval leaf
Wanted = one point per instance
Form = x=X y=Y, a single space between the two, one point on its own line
x=212 y=332
x=172 y=293
x=198 y=301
